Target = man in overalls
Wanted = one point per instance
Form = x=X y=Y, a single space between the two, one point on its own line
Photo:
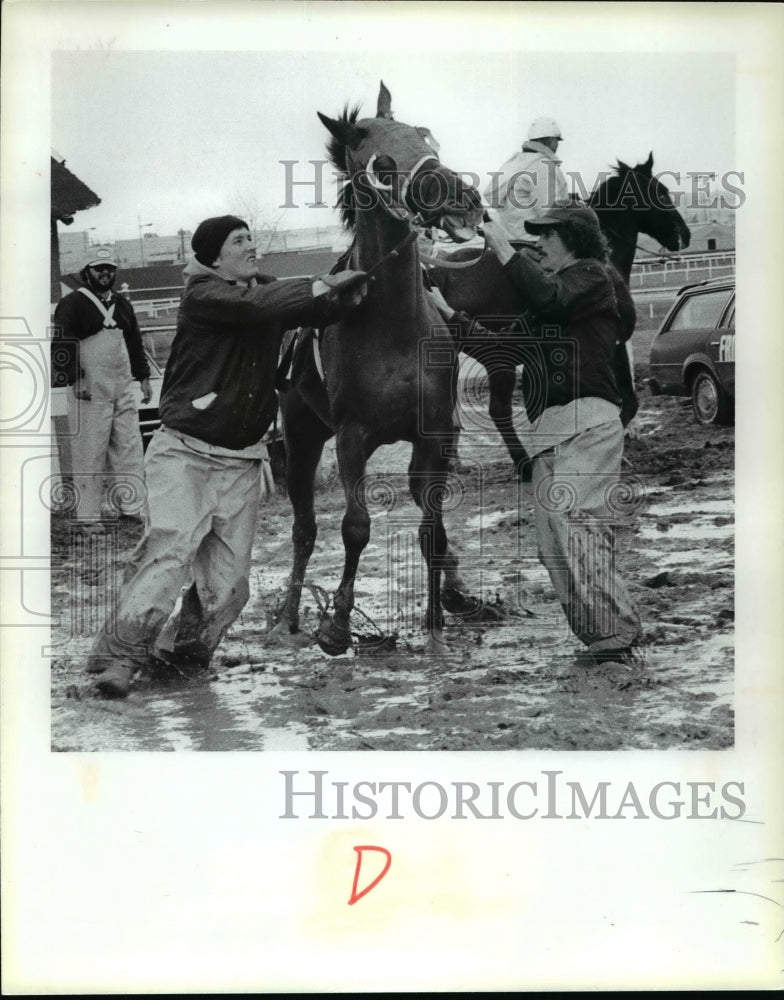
x=97 y=350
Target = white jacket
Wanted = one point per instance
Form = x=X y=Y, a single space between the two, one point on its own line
x=524 y=188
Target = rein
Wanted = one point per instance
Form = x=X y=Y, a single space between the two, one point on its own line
x=394 y=252
x=282 y=381
x=630 y=243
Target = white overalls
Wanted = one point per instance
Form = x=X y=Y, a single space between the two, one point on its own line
x=106 y=441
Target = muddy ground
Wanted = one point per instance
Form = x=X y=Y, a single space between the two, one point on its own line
x=507 y=686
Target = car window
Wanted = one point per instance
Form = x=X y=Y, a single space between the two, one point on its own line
x=729 y=321
x=701 y=310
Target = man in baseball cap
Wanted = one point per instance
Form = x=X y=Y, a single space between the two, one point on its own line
x=204 y=464
x=573 y=213
x=530 y=181
x=100 y=256
x=97 y=351
x=573 y=402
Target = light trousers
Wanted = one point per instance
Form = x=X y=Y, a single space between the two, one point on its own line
x=202 y=521
x=106 y=443
x=577 y=496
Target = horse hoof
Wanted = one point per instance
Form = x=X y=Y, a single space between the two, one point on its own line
x=333 y=639
x=281 y=635
x=492 y=613
x=458 y=603
x=471 y=608
x=525 y=472
x=488 y=613
x=436 y=647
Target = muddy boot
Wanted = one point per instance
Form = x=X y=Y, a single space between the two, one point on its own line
x=192 y=654
x=115 y=681
x=97 y=664
x=614 y=648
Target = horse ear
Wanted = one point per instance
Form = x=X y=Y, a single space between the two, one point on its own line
x=623 y=168
x=384 y=108
x=648 y=165
x=345 y=133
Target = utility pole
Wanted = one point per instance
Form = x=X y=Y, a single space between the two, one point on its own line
x=145 y=225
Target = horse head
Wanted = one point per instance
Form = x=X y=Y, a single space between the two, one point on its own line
x=396 y=167
x=634 y=200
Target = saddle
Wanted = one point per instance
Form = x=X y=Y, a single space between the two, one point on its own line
x=293 y=356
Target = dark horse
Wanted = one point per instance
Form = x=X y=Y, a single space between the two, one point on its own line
x=629 y=202
x=379 y=385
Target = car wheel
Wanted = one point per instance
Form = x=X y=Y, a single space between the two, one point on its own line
x=711 y=404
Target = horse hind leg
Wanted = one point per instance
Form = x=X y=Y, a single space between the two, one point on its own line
x=428 y=479
x=454 y=597
x=305 y=437
x=501 y=384
x=334 y=635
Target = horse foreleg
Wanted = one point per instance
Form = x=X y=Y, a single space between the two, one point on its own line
x=334 y=635
x=305 y=440
x=455 y=596
x=428 y=482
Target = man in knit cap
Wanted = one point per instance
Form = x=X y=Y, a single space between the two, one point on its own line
x=203 y=465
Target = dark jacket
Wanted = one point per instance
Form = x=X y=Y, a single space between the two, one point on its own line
x=75 y=319
x=572 y=326
x=227 y=342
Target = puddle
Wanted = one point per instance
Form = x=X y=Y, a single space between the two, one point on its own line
x=703 y=508
x=708 y=561
x=693 y=531
x=488 y=520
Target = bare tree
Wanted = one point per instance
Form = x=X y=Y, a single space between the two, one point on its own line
x=267 y=232
x=246 y=205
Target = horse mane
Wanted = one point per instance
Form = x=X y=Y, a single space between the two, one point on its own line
x=336 y=151
x=605 y=194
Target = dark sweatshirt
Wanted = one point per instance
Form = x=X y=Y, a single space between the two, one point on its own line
x=573 y=326
x=75 y=319
x=227 y=342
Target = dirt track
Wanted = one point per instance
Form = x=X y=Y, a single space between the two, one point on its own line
x=509 y=686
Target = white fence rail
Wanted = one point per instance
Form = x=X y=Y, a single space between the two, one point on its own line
x=651 y=280
x=674 y=272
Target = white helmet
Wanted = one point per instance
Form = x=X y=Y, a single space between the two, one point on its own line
x=545 y=128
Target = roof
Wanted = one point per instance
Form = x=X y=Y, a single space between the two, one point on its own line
x=169 y=277
x=724 y=282
x=68 y=194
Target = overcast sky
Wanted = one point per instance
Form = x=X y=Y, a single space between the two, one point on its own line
x=170 y=137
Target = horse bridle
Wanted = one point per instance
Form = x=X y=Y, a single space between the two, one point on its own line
x=630 y=243
x=396 y=205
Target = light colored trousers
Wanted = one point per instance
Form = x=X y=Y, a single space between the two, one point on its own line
x=106 y=442
x=577 y=495
x=202 y=520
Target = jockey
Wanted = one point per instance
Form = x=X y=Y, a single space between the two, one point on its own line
x=529 y=182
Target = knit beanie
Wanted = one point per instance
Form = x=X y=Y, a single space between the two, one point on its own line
x=211 y=234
